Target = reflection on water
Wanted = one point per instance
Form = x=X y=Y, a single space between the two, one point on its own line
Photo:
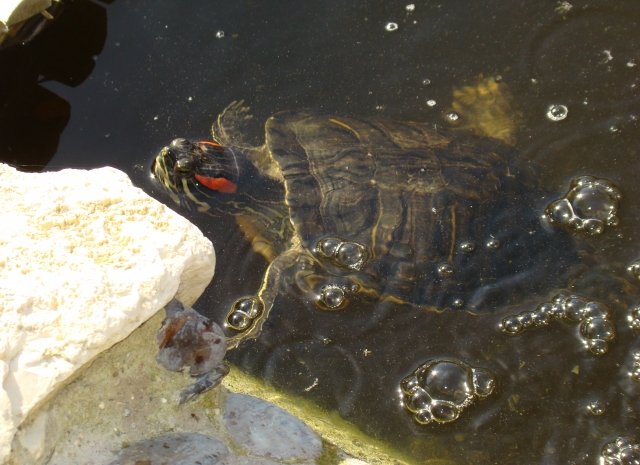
x=165 y=73
x=31 y=116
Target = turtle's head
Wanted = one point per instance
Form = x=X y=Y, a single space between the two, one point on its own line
x=186 y=165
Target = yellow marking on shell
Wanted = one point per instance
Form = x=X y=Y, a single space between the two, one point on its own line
x=453 y=231
x=346 y=126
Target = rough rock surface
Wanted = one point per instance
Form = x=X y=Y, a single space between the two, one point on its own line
x=174 y=449
x=85 y=258
x=124 y=397
x=266 y=430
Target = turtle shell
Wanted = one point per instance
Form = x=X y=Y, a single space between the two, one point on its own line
x=408 y=212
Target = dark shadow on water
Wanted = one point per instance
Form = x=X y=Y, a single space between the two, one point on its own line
x=32 y=118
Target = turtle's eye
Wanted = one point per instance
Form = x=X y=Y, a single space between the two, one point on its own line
x=185 y=166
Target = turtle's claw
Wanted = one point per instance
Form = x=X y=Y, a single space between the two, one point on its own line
x=204 y=383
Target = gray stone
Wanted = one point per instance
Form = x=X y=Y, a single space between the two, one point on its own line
x=266 y=430
x=174 y=449
x=260 y=461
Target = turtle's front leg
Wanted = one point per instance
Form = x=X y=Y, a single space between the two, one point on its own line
x=229 y=127
x=229 y=130
x=248 y=314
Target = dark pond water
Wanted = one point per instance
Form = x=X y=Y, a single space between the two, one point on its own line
x=111 y=84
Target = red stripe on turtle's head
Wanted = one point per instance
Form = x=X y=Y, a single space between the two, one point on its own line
x=217 y=184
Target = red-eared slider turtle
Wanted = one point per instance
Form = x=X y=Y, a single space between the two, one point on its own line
x=375 y=210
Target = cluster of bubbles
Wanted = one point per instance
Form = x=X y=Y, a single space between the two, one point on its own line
x=244 y=312
x=622 y=451
x=594 y=317
x=597 y=408
x=590 y=204
x=345 y=254
x=440 y=389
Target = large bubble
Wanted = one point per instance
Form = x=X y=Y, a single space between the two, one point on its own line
x=589 y=206
x=440 y=389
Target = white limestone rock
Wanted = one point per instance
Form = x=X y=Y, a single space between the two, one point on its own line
x=85 y=258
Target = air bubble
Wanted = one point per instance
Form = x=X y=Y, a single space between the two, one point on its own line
x=593 y=226
x=597 y=328
x=329 y=246
x=575 y=309
x=596 y=407
x=598 y=346
x=426 y=82
x=238 y=321
x=511 y=325
x=634 y=268
x=526 y=318
x=440 y=389
x=248 y=307
x=458 y=303
x=493 y=243
x=391 y=27
x=452 y=117
x=445 y=269
x=431 y=103
x=444 y=412
x=332 y=297
x=419 y=400
x=557 y=112
x=219 y=34
x=410 y=7
x=595 y=310
x=592 y=202
x=560 y=211
x=468 y=246
x=541 y=318
x=483 y=382
x=350 y=255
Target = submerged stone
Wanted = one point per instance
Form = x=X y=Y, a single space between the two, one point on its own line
x=266 y=430
x=174 y=449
